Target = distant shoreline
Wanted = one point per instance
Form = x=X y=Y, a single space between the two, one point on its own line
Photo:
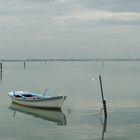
x=47 y=60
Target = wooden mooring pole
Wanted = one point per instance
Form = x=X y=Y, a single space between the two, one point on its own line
x=103 y=100
x=1 y=67
x=24 y=64
x=1 y=72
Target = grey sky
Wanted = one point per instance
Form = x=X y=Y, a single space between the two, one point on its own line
x=69 y=28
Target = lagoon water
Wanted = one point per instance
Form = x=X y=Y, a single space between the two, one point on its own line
x=81 y=117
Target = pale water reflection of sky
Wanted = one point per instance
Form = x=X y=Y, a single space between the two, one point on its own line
x=69 y=28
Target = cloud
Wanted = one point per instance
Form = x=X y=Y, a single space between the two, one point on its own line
x=98 y=16
x=69 y=26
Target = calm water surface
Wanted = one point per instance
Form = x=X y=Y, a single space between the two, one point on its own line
x=80 y=118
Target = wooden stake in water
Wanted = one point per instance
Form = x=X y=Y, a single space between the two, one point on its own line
x=103 y=100
x=1 y=72
x=24 y=64
x=1 y=66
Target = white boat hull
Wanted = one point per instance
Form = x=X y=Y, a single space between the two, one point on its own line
x=42 y=102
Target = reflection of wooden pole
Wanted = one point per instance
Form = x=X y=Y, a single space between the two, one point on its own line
x=1 y=76
x=103 y=100
x=104 y=127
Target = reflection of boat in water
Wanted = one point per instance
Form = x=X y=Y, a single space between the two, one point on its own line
x=46 y=114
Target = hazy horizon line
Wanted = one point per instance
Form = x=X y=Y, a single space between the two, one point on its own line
x=71 y=59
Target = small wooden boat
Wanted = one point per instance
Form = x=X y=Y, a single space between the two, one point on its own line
x=53 y=115
x=37 y=100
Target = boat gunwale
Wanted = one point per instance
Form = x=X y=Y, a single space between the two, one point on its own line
x=37 y=98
